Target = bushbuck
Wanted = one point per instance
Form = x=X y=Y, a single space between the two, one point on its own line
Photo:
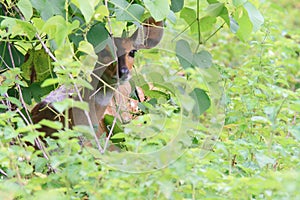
x=115 y=70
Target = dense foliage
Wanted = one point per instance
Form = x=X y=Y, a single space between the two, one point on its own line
x=239 y=55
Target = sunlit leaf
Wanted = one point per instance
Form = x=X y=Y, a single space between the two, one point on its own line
x=159 y=9
x=101 y=12
x=51 y=124
x=133 y=12
x=238 y=2
x=48 y=9
x=26 y=8
x=254 y=15
x=245 y=25
x=215 y=10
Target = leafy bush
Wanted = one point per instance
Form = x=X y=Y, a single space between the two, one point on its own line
x=45 y=44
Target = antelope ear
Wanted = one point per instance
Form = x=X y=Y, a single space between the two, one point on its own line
x=149 y=35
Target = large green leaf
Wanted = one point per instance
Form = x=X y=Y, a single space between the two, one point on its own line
x=86 y=8
x=18 y=27
x=58 y=29
x=177 y=5
x=218 y=10
x=244 y=24
x=184 y=53
x=189 y=16
x=48 y=9
x=254 y=15
x=159 y=9
x=133 y=12
x=214 y=10
x=26 y=8
x=238 y=2
x=37 y=67
x=202 y=101
x=98 y=36
x=207 y=23
x=120 y=3
x=202 y=59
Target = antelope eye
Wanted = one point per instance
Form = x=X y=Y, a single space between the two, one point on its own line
x=132 y=53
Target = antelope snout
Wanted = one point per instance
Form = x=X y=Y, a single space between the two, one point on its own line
x=124 y=73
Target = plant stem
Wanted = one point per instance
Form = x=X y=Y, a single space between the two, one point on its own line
x=214 y=32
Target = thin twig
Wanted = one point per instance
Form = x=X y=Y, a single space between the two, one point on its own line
x=186 y=28
x=214 y=32
x=111 y=130
x=3 y=172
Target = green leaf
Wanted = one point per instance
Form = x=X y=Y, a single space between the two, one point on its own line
x=245 y=25
x=50 y=81
x=263 y=160
x=86 y=8
x=82 y=105
x=98 y=36
x=295 y=106
x=177 y=5
x=212 y=1
x=159 y=9
x=215 y=10
x=37 y=67
x=25 y=8
x=48 y=9
x=271 y=113
x=184 y=53
x=58 y=29
x=18 y=27
x=218 y=10
x=118 y=136
x=86 y=47
x=62 y=106
x=38 y=23
x=42 y=65
x=259 y=119
x=156 y=94
x=109 y=119
x=202 y=101
x=189 y=16
x=84 y=83
x=238 y=2
x=120 y=3
x=295 y=131
x=207 y=23
x=15 y=101
x=133 y=12
x=202 y=59
x=101 y=12
x=51 y=124
x=254 y=15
